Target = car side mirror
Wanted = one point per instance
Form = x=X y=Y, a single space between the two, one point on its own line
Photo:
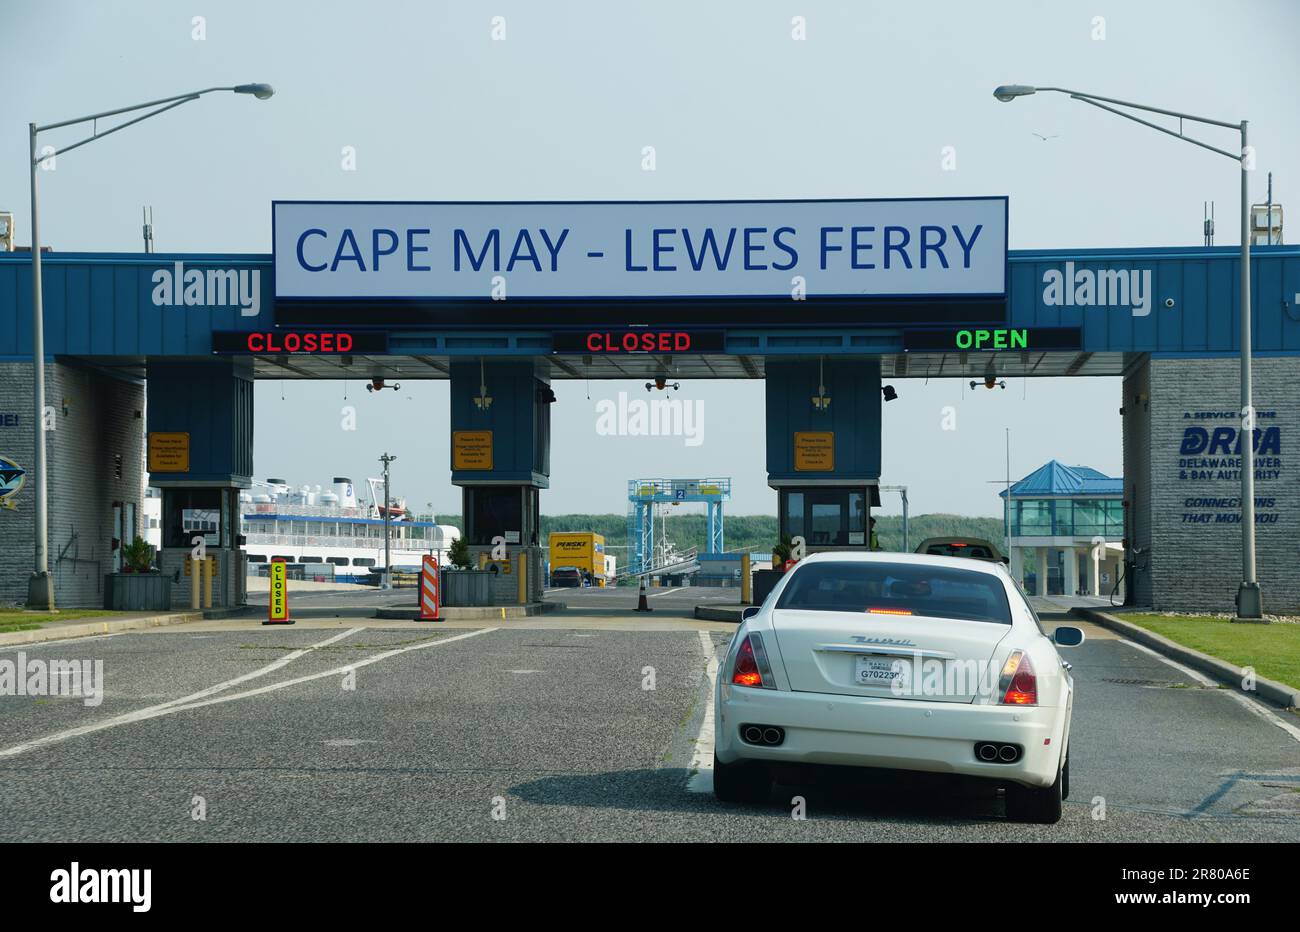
x=749 y=611
x=1006 y=560
x=1067 y=636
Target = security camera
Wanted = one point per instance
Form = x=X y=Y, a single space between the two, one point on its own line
x=379 y=385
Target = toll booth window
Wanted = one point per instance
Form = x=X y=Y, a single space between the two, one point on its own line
x=190 y=513
x=794 y=515
x=337 y=561
x=363 y=561
x=494 y=511
x=825 y=517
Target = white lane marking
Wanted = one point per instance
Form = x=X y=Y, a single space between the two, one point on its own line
x=661 y=592
x=701 y=779
x=173 y=705
x=1254 y=705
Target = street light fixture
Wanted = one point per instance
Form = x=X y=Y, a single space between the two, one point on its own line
x=1249 y=601
x=40 y=588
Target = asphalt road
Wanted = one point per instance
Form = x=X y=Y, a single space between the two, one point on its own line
x=437 y=729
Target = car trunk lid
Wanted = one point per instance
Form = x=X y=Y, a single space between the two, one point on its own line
x=887 y=655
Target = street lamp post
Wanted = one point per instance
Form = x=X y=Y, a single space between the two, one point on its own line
x=1249 y=600
x=387 y=582
x=40 y=588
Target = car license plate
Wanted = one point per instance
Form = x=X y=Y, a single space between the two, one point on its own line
x=878 y=671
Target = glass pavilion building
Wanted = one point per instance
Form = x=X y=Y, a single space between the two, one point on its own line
x=1067 y=529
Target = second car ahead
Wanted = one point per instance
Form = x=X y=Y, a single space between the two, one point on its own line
x=974 y=548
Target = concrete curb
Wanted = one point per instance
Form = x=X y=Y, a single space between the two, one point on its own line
x=475 y=613
x=1280 y=694
x=717 y=613
x=91 y=627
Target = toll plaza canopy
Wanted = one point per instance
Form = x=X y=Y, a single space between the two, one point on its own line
x=703 y=289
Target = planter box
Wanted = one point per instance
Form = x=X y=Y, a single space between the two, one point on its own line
x=466 y=588
x=137 y=592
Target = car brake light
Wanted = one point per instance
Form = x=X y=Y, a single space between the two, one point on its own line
x=1018 y=684
x=745 y=672
x=890 y=611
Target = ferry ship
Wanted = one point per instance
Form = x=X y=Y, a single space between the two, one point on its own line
x=331 y=534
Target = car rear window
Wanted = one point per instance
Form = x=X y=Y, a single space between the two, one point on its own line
x=960 y=550
x=897 y=589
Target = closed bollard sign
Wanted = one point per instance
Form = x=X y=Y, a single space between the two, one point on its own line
x=278 y=605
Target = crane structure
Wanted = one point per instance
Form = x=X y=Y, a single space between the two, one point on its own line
x=645 y=497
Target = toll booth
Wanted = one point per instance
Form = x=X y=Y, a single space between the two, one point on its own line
x=200 y=454
x=823 y=449
x=501 y=459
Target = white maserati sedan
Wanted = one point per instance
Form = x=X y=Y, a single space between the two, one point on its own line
x=903 y=662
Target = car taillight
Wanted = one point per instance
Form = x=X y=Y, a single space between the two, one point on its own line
x=745 y=672
x=751 y=667
x=1018 y=684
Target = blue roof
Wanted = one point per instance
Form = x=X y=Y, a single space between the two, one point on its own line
x=1056 y=479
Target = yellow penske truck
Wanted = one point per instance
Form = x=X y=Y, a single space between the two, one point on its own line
x=577 y=558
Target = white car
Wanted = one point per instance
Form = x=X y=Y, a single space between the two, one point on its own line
x=902 y=662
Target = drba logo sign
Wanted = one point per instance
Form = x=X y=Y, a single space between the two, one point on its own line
x=12 y=477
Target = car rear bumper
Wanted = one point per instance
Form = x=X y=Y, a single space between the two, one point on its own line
x=893 y=734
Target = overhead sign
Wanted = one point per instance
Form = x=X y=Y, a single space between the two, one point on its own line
x=169 y=452
x=801 y=249
x=292 y=342
x=471 y=449
x=641 y=340
x=814 y=451
x=993 y=339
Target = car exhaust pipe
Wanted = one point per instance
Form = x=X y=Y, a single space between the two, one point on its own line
x=987 y=752
x=1008 y=753
x=773 y=736
x=752 y=734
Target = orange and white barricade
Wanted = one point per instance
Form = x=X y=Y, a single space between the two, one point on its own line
x=430 y=590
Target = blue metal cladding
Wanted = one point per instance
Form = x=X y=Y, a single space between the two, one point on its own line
x=1192 y=298
x=212 y=401
x=104 y=304
x=853 y=386
x=518 y=418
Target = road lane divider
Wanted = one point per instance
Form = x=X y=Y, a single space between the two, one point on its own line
x=701 y=770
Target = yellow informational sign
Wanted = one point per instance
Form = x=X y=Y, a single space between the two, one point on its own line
x=279 y=607
x=814 y=451
x=471 y=449
x=169 y=452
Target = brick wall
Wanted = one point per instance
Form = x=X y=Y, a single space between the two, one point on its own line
x=95 y=452
x=1187 y=507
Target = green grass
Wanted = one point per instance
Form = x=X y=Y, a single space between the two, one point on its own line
x=1273 y=650
x=14 y=620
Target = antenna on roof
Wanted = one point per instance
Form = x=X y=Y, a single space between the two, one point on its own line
x=1207 y=224
x=147 y=216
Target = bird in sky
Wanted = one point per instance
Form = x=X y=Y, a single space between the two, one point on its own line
x=1045 y=138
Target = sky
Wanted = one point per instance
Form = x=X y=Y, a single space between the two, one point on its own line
x=865 y=105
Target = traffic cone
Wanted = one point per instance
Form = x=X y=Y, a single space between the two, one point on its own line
x=641 y=604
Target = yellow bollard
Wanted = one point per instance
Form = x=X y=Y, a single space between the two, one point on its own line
x=209 y=570
x=746 y=582
x=194 y=583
